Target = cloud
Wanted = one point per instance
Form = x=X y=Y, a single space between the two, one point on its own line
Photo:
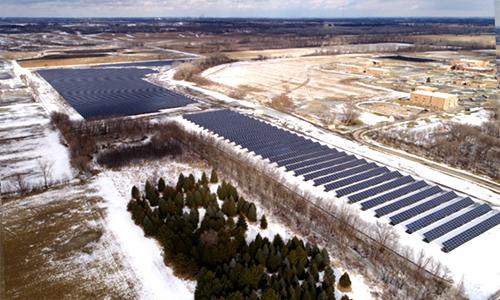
x=415 y=6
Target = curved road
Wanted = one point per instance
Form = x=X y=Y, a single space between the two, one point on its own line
x=491 y=185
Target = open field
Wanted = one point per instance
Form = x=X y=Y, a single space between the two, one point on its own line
x=30 y=149
x=302 y=79
x=56 y=246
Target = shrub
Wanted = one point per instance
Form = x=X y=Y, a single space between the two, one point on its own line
x=345 y=281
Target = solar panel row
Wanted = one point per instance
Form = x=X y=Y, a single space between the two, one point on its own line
x=471 y=233
x=439 y=214
x=315 y=161
x=344 y=174
x=407 y=201
x=342 y=159
x=335 y=168
x=456 y=222
x=393 y=195
x=356 y=178
x=366 y=184
x=295 y=156
x=410 y=213
x=379 y=189
x=307 y=156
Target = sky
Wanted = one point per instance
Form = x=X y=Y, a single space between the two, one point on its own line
x=248 y=8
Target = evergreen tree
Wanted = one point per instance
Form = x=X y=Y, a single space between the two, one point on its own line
x=162 y=205
x=220 y=215
x=330 y=275
x=188 y=183
x=240 y=205
x=214 y=178
x=204 y=179
x=180 y=181
x=252 y=213
x=345 y=297
x=198 y=200
x=207 y=285
x=263 y=222
x=236 y=296
x=272 y=262
x=345 y=281
x=148 y=226
x=230 y=207
x=300 y=270
x=152 y=196
x=314 y=271
x=253 y=296
x=161 y=185
x=231 y=226
x=147 y=186
x=325 y=258
x=242 y=223
x=194 y=216
x=306 y=295
x=260 y=258
x=270 y=294
x=278 y=241
x=135 y=193
x=179 y=200
x=190 y=199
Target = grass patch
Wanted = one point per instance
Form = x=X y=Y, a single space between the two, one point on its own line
x=411 y=124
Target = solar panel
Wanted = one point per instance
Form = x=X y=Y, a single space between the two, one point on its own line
x=315 y=161
x=407 y=201
x=346 y=173
x=433 y=217
x=368 y=183
x=353 y=179
x=342 y=159
x=334 y=169
x=305 y=157
x=456 y=222
x=393 y=195
x=380 y=189
x=471 y=233
x=299 y=154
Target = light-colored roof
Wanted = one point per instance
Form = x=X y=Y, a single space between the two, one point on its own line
x=349 y=66
x=432 y=94
x=378 y=69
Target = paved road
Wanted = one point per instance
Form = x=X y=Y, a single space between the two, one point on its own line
x=493 y=186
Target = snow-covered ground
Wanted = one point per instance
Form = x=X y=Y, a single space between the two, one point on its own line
x=28 y=141
x=115 y=187
x=481 y=274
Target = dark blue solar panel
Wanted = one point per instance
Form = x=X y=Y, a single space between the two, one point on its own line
x=393 y=195
x=471 y=233
x=407 y=201
x=334 y=169
x=298 y=154
x=357 y=178
x=344 y=174
x=366 y=184
x=456 y=222
x=436 y=216
x=111 y=92
x=305 y=157
x=315 y=161
x=379 y=189
x=342 y=159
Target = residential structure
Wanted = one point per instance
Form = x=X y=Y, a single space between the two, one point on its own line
x=434 y=100
x=423 y=88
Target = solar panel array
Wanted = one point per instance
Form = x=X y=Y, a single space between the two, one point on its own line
x=379 y=189
x=439 y=214
x=345 y=174
x=456 y=222
x=407 y=201
x=471 y=233
x=393 y=195
x=366 y=184
x=353 y=179
x=111 y=92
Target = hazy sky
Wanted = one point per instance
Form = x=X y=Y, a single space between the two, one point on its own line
x=247 y=8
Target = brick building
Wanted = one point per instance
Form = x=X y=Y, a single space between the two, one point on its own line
x=434 y=100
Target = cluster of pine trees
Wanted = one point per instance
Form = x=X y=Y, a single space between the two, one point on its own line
x=215 y=250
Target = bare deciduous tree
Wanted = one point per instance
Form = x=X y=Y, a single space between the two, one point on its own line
x=46 y=166
x=350 y=113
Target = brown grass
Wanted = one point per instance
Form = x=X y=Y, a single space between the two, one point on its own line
x=45 y=234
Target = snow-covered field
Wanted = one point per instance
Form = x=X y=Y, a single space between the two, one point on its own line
x=28 y=142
